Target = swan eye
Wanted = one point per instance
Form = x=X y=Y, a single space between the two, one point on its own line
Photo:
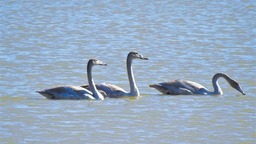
x=135 y=54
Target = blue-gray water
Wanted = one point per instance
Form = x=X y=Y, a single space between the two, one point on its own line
x=48 y=43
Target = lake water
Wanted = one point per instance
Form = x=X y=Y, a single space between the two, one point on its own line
x=48 y=43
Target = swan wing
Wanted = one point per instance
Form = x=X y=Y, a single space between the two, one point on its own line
x=196 y=88
x=179 y=87
x=67 y=92
x=167 y=88
x=111 y=90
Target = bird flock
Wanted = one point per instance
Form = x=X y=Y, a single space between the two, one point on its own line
x=93 y=91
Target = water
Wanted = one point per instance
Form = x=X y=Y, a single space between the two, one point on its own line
x=48 y=43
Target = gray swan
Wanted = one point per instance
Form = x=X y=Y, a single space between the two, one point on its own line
x=185 y=87
x=113 y=91
x=76 y=92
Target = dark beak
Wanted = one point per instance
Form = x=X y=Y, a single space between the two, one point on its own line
x=241 y=91
x=143 y=58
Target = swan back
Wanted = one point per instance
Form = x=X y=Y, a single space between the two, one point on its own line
x=179 y=87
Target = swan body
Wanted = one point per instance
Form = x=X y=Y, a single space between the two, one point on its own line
x=185 y=87
x=76 y=92
x=114 y=91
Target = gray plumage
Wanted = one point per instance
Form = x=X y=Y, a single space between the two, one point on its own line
x=76 y=92
x=114 y=91
x=185 y=87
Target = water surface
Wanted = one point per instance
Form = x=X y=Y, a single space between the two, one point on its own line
x=47 y=43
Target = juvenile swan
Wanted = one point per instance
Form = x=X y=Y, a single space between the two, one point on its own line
x=185 y=87
x=114 y=91
x=76 y=92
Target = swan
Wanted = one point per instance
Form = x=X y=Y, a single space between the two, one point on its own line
x=76 y=92
x=185 y=87
x=113 y=91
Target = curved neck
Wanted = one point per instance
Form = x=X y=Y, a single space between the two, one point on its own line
x=217 y=89
x=93 y=89
x=133 y=88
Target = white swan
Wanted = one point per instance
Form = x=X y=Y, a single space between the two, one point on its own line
x=114 y=91
x=76 y=92
x=185 y=87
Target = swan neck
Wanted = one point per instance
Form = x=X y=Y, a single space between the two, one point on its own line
x=133 y=87
x=217 y=88
x=93 y=88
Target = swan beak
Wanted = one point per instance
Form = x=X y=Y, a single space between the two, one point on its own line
x=241 y=91
x=103 y=64
x=143 y=58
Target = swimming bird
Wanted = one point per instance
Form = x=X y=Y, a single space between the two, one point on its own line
x=76 y=92
x=185 y=87
x=114 y=91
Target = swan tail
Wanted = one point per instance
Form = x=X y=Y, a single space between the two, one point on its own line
x=46 y=94
x=151 y=85
x=158 y=87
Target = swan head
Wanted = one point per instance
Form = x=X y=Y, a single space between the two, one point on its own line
x=236 y=86
x=96 y=62
x=136 y=55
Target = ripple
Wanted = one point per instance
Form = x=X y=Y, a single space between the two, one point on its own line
x=44 y=44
